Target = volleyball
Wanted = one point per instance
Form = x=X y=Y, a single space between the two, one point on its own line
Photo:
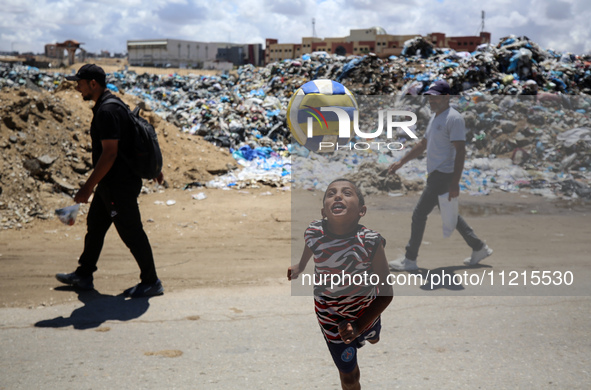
x=304 y=113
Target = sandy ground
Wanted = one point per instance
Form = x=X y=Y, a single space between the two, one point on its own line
x=230 y=238
x=228 y=318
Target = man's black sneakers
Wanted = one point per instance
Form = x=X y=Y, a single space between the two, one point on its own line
x=83 y=283
x=141 y=290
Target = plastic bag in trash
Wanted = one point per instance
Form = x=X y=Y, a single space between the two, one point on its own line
x=200 y=196
x=68 y=214
x=449 y=213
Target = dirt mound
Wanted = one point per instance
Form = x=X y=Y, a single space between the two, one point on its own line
x=46 y=152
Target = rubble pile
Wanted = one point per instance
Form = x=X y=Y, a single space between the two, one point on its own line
x=41 y=155
x=46 y=153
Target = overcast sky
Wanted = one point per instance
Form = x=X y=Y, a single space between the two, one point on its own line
x=27 y=25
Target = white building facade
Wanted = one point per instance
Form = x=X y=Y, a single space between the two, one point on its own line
x=177 y=53
x=172 y=52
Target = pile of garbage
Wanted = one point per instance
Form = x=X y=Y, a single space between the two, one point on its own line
x=246 y=110
x=531 y=143
x=418 y=46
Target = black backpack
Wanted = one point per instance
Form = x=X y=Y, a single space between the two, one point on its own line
x=146 y=158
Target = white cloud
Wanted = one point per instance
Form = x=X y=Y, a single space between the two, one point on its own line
x=559 y=10
x=512 y=21
x=27 y=25
x=288 y=7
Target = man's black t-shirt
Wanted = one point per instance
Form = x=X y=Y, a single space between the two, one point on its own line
x=111 y=122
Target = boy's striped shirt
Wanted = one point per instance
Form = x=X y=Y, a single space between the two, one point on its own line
x=350 y=255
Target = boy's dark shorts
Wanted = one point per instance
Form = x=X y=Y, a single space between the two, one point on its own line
x=345 y=355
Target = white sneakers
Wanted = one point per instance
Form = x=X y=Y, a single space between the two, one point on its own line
x=404 y=264
x=477 y=256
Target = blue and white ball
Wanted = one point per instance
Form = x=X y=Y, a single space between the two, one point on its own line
x=307 y=102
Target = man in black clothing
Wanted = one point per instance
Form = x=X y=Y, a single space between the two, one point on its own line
x=117 y=189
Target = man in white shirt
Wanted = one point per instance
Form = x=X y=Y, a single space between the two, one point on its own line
x=445 y=143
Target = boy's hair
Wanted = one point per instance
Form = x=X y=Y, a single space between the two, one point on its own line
x=357 y=191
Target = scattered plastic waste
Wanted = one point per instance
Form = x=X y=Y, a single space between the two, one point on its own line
x=67 y=215
x=199 y=196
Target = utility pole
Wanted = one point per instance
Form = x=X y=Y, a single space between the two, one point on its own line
x=313 y=28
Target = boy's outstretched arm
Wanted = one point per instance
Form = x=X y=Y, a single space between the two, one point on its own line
x=294 y=271
x=349 y=331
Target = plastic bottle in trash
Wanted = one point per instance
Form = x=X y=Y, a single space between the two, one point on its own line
x=484 y=182
x=539 y=147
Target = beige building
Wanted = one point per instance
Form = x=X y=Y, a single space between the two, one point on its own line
x=362 y=41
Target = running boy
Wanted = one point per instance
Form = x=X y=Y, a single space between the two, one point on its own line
x=348 y=313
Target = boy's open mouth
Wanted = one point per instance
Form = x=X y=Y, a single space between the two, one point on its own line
x=338 y=207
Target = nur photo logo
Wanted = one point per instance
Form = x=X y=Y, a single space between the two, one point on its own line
x=323 y=116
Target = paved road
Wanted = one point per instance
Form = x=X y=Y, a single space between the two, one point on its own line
x=263 y=338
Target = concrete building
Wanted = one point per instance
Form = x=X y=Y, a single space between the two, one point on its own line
x=242 y=54
x=462 y=43
x=58 y=50
x=190 y=54
x=363 y=41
